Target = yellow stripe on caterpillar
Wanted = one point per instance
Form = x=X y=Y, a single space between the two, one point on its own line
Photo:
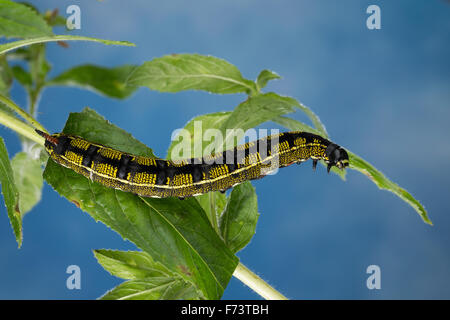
x=161 y=178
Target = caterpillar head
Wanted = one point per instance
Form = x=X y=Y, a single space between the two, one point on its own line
x=337 y=156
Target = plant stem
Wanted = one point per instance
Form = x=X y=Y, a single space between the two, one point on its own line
x=20 y=127
x=256 y=283
x=11 y=105
x=34 y=99
x=4 y=48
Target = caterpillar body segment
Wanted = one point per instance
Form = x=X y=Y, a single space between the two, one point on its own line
x=152 y=177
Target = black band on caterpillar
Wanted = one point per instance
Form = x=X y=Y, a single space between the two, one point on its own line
x=151 y=177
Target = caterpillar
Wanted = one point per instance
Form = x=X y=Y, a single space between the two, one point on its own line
x=159 y=178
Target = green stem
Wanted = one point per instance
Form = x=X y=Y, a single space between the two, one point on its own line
x=20 y=127
x=4 y=48
x=34 y=98
x=11 y=105
x=257 y=284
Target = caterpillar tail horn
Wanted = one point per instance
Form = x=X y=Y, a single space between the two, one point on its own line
x=47 y=137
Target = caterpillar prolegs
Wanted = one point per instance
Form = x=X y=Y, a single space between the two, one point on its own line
x=159 y=178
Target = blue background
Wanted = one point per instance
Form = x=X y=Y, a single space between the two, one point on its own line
x=383 y=94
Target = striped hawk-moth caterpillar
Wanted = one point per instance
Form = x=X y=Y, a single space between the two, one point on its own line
x=160 y=178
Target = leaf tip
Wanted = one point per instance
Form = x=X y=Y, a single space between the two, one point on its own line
x=426 y=219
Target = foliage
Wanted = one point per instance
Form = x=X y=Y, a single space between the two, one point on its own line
x=187 y=247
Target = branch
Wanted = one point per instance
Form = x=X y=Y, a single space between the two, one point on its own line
x=257 y=284
x=20 y=127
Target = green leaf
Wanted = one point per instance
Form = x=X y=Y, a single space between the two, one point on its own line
x=138 y=265
x=6 y=76
x=319 y=127
x=10 y=193
x=357 y=163
x=22 y=76
x=4 y=48
x=238 y=222
x=250 y=113
x=253 y=112
x=190 y=139
x=220 y=200
x=156 y=288
x=130 y=264
x=180 y=72
x=191 y=142
x=29 y=181
x=314 y=119
x=20 y=21
x=296 y=125
x=175 y=233
x=264 y=77
x=107 y=81
x=93 y=127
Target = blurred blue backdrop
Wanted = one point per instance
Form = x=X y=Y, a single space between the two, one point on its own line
x=383 y=94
